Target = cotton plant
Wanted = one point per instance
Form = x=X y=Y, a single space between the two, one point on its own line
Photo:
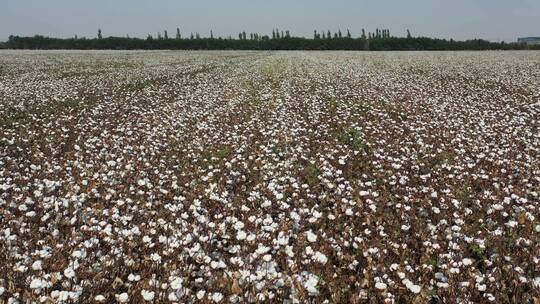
x=245 y=176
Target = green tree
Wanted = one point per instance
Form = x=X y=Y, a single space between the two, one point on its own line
x=99 y=36
x=165 y=35
x=178 y=35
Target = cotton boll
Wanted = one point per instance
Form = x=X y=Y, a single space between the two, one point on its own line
x=320 y=258
x=311 y=237
x=200 y=294
x=380 y=286
x=147 y=295
x=99 y=298
x=122 y=298
x=241 y=235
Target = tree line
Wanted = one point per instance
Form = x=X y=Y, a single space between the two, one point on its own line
x=379 y=40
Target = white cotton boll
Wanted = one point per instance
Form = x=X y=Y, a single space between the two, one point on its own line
x=311 y=285
x=217 y=297
x=511 y=224
x=380 y=286
x=289 y=251
x=2 y=290
x=241 y=235
x=122 y=298
x=133 y=277
x=172 y=297
x=63 y=296
x=442 y=285
x=320 y=257
x=412 y=287
x=69 y=273
x=78 y=254
x=36 y=284
x=155 y=257
x=262 y=249
x=239 y=225
x=200 y=294
x=22 y=268
x=99 y=298
x=176 y=283
x=267 y=257
x=282 y=240
x=37 y=265
x=311 y=237
x=147 y=295
x=55 y=294
x=467 y=261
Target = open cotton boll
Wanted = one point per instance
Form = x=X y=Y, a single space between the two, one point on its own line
x=147 y=295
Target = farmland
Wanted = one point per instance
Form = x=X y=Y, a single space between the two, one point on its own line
x=178 y=176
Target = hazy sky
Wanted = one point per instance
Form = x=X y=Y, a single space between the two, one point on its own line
x=459 y=19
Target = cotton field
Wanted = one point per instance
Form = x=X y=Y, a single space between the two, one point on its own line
x=269 y=177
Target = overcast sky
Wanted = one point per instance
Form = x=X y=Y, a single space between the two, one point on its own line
x=458 y=19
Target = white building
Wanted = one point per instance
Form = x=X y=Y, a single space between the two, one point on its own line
x=530 y=40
